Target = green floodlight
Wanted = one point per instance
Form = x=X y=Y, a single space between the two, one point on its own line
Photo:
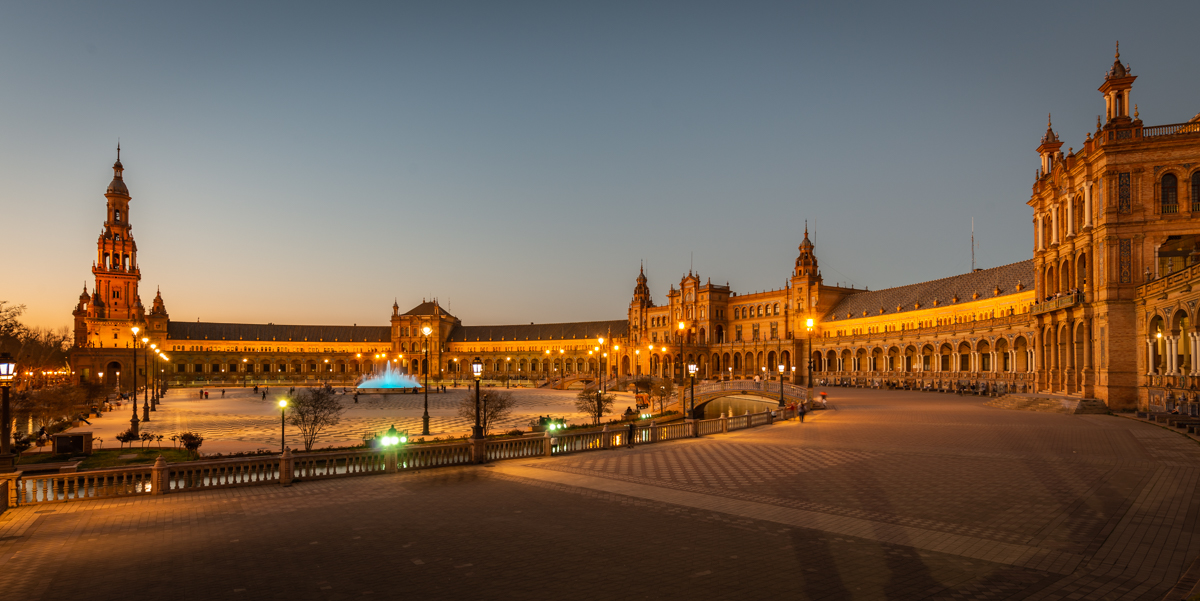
x=393 y=437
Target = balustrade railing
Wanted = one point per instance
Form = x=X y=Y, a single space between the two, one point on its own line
x=515 y=448
x=77 y=486
x=222 y=473
x=288 y=468
x=1191 y=127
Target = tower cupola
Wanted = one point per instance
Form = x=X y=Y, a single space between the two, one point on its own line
x=1118 y=83
x=806 y=263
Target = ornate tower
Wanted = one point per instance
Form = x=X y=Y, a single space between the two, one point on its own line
x=637 y=308
x=116 y=269
x=806 y=281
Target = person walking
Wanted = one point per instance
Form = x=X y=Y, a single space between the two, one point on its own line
x=801 y=413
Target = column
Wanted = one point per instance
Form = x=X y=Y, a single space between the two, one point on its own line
x=1150 y=356
x=1038 y=234
x=1087 y=204
x=1054 y=224
x=1070 y=217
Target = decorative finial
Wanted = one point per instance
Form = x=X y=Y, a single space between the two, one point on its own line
x=1135 y=111
x=805 y=228
x=118 y=150
x=1118 y=55
x=1097 y=122
x=1048 y=122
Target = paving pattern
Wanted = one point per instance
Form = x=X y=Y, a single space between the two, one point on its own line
x=892 y=495
x=243 y=421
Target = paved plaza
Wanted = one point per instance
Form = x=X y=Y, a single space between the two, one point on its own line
x=889 y=495
x=241 y=420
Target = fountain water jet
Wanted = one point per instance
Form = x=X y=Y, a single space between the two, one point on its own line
x=389 y=379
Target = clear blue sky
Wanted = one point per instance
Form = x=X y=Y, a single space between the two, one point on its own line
x=300 y=163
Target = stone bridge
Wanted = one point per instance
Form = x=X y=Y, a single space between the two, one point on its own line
x=738 y=396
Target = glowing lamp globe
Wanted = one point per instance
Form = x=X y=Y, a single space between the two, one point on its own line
x=8 y=369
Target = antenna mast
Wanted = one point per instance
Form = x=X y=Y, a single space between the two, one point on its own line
x=972 y=245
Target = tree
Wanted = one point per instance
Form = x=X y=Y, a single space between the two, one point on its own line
x=643 y=384
x=594 y=403
x=49 y=405
x=494 y=406
x=662 y=390
x=313 y=410
x=191 y=441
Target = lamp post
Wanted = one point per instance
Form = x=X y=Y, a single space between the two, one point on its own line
x=808 y=379
x=8 y=371
x=477 y=369
x=692 y=372
x=159 y=388
x=282 y=424
x=782 y=367
x=682 y=350
x=603 y=355
x=133 y=422
x=154 y=397
x=146 y=378
x=425 y=418
x=245 y=365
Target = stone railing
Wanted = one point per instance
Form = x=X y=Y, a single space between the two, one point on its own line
x=163 y=478
x=791 y=392
x=1054 y=304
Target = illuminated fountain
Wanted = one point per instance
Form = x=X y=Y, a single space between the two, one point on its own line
x=389 y=380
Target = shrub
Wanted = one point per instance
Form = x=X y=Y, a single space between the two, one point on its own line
x=127 y=437
x=191 y=441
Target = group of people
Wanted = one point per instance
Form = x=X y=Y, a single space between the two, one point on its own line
x=1056 y=295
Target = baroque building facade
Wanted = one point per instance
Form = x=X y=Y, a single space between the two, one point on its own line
x=1103 y=309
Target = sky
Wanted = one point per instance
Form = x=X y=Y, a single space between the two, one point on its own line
x=311 y=163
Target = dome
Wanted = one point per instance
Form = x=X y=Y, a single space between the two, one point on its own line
x=117 y=186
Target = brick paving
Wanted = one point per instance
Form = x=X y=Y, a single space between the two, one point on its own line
x=891 y=495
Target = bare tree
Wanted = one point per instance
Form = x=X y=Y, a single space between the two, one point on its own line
x=662 y=390
x=494 y=407
x=594 y=403
x=49 y=405
x=313 y=410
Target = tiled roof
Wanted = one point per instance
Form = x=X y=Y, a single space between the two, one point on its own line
x=186 y=330
x=580 y=330
x=428 y=308
x=984 y=281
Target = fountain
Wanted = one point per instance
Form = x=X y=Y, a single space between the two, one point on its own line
x=389 y=380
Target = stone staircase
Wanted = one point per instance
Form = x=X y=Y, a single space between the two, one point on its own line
x=1048 y=404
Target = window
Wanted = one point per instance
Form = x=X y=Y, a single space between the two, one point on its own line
x=777 y=308
x=117 y=217
x=1196 y=192
x=1124 y=202
x=737 y=333
x=1170 y=194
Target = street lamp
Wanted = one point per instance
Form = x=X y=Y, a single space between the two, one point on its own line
x=133 y=422
x=682 y=351
x=8 y=371
x=245 y=365
x=782 y=367
x=146 y=391
x=282 y=423
x=808 y=379
x=477 y=369
x=692 y=372
x=426 y=330
x=602 y=358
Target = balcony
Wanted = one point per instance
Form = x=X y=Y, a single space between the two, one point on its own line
x=1054 y=304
